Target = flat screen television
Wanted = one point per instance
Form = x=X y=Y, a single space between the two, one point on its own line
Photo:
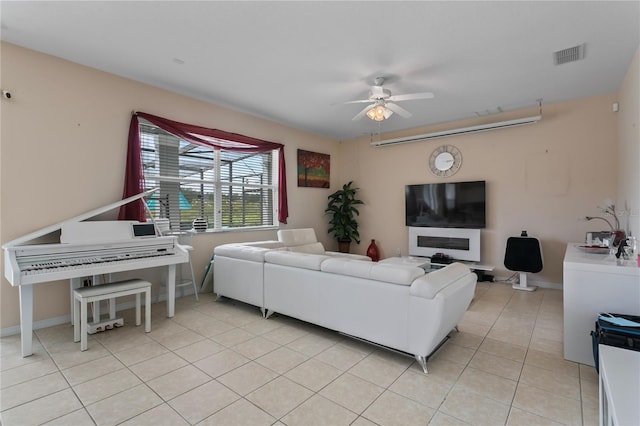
x=446 y=205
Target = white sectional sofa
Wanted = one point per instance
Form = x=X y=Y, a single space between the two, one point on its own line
x=238 y=271
x=392 y=304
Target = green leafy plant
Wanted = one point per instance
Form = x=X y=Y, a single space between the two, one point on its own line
x=341 y=208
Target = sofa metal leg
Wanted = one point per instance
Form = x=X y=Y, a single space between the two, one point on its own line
x=423 y=363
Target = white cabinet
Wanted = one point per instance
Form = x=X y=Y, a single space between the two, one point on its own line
x=594 y=283
x=619 y=386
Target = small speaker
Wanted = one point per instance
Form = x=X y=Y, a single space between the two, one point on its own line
x=523 y=255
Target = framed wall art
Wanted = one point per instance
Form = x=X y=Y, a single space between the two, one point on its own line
x=313 y=169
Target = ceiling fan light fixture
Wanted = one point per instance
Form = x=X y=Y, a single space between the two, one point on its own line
x=377 y=113
x=382 y=104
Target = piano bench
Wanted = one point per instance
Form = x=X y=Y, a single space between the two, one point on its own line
x=84 y=295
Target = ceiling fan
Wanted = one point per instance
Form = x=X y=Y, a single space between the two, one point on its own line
x=382 y=103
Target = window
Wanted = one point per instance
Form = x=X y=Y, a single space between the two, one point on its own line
x=226 y=188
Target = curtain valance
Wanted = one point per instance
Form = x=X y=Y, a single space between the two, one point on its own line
x=214 y=138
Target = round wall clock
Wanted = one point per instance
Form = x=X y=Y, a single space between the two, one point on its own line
x=445 y=161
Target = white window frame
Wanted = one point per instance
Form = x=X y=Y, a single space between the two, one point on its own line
x=216 y=183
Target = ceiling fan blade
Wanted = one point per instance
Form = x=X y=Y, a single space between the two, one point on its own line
x=398 y=110
x=362 y=113
x=411 y=96
x=359 y=101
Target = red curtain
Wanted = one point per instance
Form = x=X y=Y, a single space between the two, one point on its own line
x=133 y=176
x=214 y=138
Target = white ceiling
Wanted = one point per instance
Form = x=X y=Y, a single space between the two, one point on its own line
x=296 y=62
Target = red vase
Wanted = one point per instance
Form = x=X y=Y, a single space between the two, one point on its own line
x=373 y=252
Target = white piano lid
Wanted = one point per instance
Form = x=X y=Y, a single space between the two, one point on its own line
x=52 y=228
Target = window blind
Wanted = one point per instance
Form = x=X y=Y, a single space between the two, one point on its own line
x=227 y=189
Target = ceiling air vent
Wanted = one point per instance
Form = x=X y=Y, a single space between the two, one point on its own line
x=570 y=54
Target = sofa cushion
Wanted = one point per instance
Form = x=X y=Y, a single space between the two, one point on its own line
x=250 y=251
x=295 y=259
x=313 y=248
x=430 y=284
x=396 y=274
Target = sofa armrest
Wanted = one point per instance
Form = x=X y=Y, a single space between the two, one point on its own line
x=429 y=285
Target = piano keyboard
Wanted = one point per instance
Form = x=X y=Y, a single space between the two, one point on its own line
x=84 y=262
x=30 y=264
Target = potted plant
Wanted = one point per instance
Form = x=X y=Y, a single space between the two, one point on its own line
x=341 y=208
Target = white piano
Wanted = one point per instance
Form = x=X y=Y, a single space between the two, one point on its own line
x=88 y=248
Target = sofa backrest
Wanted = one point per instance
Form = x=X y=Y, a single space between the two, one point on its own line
x=253 y=251
x=313 y=248
x=297 y=237
x=268 y=244
x=386 y=272
x=301 y=240
x=295 y=259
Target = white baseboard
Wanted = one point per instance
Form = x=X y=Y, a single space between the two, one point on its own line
x=66 y=319
x=50 y=322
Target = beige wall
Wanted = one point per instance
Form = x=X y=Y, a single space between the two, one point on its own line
x=63 y=141
x=541 y=178
x=64 y=136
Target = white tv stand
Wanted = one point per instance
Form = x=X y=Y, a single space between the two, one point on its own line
x=461 y=244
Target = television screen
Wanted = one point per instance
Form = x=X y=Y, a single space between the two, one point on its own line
x=446 y=205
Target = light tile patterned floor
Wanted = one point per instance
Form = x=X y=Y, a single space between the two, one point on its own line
x=221 y=363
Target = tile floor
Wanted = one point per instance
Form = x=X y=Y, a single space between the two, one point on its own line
x=220 y=363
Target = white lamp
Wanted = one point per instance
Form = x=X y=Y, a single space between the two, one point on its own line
x=379 y=111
